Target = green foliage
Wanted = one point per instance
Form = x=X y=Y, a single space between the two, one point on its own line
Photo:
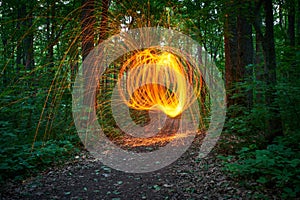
x=245 y=127
x=277 y=166
x=272 y=165
x=20 y=115
x=21 y=160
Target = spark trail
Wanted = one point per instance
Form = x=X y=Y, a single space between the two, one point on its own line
x=149 y=68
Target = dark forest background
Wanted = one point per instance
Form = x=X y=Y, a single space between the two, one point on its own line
x=255 y=44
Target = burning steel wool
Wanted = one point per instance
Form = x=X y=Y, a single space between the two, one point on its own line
x=149 y=82
x=159 y=80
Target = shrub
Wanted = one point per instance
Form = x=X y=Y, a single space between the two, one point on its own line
x=277 y=166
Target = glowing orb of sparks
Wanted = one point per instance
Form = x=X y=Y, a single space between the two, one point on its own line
x=161 y=72
x=152 y=66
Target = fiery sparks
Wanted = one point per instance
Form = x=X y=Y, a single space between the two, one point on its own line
x=159 y=80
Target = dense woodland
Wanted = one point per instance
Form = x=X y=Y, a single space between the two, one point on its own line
x=255 y=44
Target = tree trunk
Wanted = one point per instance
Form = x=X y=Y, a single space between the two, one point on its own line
x=259 y=65
x=291 y=22
x=75 y=57
x=274 y=125
x=87 y=25
x=104 y=20
x=19 y=45
x=28 y=44
x=87 y=44
x=298 y=23
x=230 y=39
x=50 y=35
x=244 y=51
x=238 y=51
x=292 y=53
x=203 y=92
x=4 y=69
x=29 y=58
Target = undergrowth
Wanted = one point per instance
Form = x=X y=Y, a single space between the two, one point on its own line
x=19 y=161
x=249 y=158
x=277 y=166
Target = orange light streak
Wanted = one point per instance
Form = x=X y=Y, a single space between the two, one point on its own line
x=146 y=71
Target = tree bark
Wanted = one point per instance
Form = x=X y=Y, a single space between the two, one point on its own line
x=291 y=22
x=50 y=34
x=87 y=25
x=28 y=43
x=230 y=40
x=259 y=64
x=238 y=51
x=274 y=125
x=87 y=45
x=244 y=50
x=104 y=20
x=19 y=57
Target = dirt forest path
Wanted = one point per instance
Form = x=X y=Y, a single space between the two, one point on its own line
x=87 y=178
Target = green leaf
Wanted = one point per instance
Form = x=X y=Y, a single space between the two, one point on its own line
x=156 y=187
x=295 y=162
x=262 y=180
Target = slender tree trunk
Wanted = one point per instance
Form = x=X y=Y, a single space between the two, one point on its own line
x=5 y=53
x=280 y=15
x=203 y=87
x=230 y=39
x=291 y=22
x=50 y=35
x=274 y=123
x=292 y=53
x=29 y=57
x=28 y=44
x=19 y=45
x=298 y=23
x=75 y=58
x=259 y=64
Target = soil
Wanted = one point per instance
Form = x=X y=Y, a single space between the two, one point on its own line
x=88 y=178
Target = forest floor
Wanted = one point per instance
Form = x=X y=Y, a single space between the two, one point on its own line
x=87 y=178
